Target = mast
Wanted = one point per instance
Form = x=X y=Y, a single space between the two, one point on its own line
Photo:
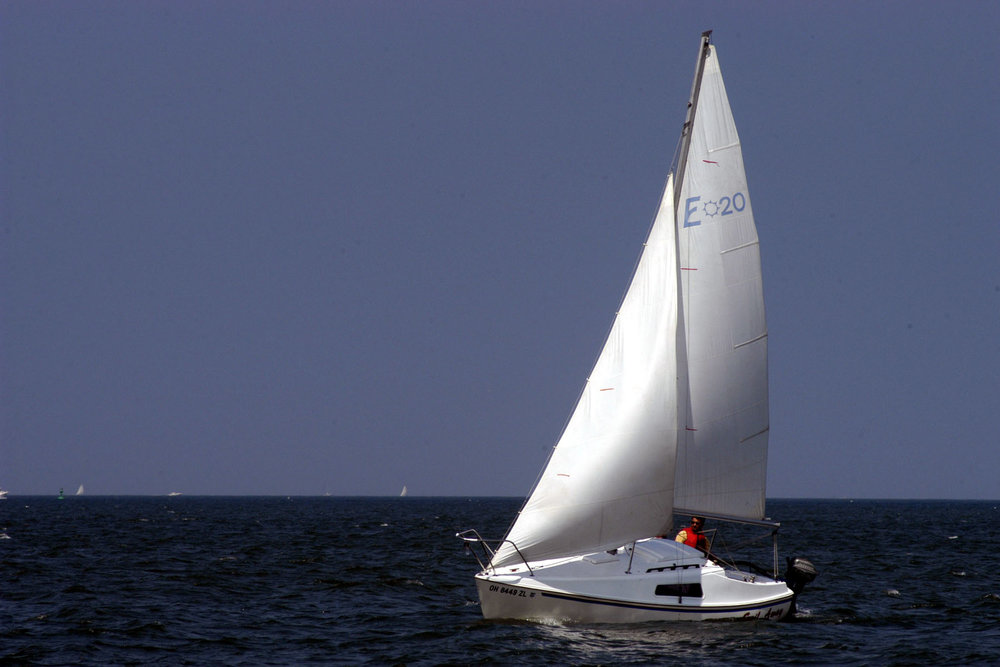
x=699 y=68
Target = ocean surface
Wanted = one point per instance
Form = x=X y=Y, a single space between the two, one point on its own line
x=283 y=581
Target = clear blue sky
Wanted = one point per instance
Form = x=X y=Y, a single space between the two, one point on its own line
x=297 y=248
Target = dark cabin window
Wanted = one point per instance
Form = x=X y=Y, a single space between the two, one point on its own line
x=680 y=590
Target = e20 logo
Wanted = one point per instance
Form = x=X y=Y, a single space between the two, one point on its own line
x=725 y=206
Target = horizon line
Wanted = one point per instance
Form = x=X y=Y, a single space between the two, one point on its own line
x=71 y=495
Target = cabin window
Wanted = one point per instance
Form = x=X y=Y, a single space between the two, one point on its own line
x=680 y=590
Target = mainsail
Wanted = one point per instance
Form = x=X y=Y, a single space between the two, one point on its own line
x=674 y=413
x=722 y=461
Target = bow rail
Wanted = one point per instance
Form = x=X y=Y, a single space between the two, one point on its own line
x=484 y=555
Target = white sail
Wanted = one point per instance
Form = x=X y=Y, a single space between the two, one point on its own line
x=722 y=461
x=675 y=413
x=610 y=477
x=79 y=491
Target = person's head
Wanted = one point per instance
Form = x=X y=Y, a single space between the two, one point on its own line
x=697 y=523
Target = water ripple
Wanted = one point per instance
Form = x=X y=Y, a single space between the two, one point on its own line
x=333 y=580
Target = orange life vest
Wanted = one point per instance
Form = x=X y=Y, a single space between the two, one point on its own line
x=696 y=540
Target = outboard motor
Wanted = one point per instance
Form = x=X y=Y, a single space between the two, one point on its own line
x=799 y=573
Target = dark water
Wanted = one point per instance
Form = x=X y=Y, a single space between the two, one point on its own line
x=284 y=581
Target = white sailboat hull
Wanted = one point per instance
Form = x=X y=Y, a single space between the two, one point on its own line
x=661 y=581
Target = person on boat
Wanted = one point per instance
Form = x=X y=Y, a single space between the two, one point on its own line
x=692 y=535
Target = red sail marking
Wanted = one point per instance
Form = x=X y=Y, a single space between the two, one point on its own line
x=710 y=161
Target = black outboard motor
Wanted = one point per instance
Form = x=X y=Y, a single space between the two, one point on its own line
x=799 y=573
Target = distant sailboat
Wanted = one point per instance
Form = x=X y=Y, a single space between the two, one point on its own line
x=79 y=491
x=174 y=493
x=403 y=492
x=3 y=494
x=673 y=418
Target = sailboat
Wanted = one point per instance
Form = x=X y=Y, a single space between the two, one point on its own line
x=402 y=494
x=79 y=491
x=673 y=419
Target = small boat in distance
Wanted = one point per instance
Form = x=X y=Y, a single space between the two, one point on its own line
x=174 y=493
x=673 y=419
x=402 y=494
x=79 y=491
x=3 y=494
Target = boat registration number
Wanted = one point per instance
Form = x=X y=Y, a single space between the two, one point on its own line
x=504 y=590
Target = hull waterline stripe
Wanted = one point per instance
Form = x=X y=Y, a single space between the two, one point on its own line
x=690 y=610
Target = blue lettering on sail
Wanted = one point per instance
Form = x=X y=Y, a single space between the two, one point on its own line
x=722 y=207
x=688 y=222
